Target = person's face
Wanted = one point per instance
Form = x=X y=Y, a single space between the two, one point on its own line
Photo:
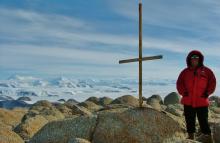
x=195 y=61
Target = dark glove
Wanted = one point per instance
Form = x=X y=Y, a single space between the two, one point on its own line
x=185 y=94
x=205 y=95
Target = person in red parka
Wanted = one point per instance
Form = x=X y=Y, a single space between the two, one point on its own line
x=195 y=84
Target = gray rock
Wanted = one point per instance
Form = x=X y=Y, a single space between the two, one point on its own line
x=154 y=103
x=172 y=98
x=157 y=97
x=173 y=110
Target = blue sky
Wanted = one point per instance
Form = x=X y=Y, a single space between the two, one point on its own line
x=87 y=38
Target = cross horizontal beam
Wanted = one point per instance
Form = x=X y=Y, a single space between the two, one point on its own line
x=143 y=59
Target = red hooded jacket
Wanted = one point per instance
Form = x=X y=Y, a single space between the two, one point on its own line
x=195 y=85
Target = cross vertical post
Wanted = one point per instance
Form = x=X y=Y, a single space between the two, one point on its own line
x=140 y=54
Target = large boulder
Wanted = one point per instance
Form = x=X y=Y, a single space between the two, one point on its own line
x=136 y=125
x=8 y=136
x=64 y=131
x=172 y=98
x=127 y=100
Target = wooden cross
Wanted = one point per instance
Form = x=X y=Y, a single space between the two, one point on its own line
x=140 y=59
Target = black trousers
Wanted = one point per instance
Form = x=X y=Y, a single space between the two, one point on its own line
x=190 y=118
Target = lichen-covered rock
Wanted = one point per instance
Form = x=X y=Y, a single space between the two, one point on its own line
x=64 y=130
x=127 y=100
x=157 y=97
x=172 y=98
x=91 y=106
x=154 y=103
x=174 y=110
x=136 y=125
x=78 y=140
x=8 y=136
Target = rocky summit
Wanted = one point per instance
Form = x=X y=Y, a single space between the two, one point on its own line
x=102 y=120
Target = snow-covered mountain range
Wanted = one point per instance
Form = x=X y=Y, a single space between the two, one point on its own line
x=79 y=89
